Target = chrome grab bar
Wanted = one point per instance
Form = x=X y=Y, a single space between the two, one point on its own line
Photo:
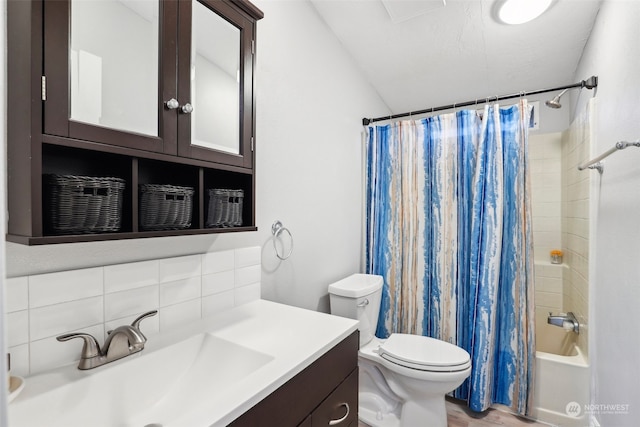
x=595 y=162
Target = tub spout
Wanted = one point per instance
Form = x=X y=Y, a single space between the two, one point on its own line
x=566 y=321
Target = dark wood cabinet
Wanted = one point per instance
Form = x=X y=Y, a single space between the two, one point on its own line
x=243 y=18
x=321 y=393
x=340 y=408
x=57 y=82
x=50 y=134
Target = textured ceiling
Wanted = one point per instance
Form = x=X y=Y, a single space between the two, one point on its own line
x=459 y=52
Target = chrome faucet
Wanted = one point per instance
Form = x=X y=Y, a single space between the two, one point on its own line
x=566 y=321
x=121 y=342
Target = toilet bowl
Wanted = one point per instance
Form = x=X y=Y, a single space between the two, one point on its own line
x=404 y=378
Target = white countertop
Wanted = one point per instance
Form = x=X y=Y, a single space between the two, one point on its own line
x=290 y=338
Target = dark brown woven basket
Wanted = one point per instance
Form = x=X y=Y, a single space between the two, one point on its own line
x=165 y=207
x=82 y=204
x=224 y=208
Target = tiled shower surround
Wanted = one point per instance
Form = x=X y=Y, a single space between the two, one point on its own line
x=561 y=217
x=95 y=300
x=577 y=191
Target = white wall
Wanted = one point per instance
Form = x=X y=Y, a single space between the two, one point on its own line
x=310 y=101
x=613 y=53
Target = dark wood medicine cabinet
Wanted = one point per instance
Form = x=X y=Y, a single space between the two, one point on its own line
x=156 y=92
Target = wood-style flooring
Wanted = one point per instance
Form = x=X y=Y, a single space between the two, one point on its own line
x=460 y=416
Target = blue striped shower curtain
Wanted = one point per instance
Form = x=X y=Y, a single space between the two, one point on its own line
x=449 y=229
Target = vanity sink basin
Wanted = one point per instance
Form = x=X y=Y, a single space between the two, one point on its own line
x=204 y=374
x=155 y=387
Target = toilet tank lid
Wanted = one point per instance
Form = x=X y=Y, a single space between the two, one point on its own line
x=356 y=285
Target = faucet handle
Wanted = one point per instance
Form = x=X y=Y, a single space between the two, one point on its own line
x=136 y=323
x=90 y=349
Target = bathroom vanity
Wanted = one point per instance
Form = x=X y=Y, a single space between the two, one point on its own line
x=325 y=391
x=259 y=364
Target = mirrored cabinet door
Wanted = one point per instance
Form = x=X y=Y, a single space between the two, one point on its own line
x=109 y=70
x=167 y=76
x=215 y=75
x=215 y=85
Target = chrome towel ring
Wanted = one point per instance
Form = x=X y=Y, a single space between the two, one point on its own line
x=276 y=229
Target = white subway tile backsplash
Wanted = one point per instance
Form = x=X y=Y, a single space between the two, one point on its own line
x=18 y=328
x=180 y=314
x=215 y=262
x=66 y=317
x=123 y=277
x=172 y=269
x=180 y=291
x=247 y=275
x=218 y=282
x=49 y=353
x=17 y=294
x=20 y=360
x=216 y=303
x=95 y=300
x=246 y=257
x=149 y=326
x=54 y=288
x=246 y=294
x=131 y=303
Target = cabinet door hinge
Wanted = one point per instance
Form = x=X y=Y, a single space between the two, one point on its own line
x=253 y=47
x=251 y=144
x=44 y=88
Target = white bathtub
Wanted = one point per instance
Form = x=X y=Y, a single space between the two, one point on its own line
x=561 y=379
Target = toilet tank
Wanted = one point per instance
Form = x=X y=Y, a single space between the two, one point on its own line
x=358 y=297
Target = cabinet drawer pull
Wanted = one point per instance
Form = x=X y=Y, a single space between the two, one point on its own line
x=339 y=420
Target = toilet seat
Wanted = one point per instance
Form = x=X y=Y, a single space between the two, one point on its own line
x=424 y=353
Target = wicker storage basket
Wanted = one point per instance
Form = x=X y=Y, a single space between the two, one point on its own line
x=225 y=208
x=82 y=204
x=165 y=207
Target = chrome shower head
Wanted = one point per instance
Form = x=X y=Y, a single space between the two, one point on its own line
x=555 y=102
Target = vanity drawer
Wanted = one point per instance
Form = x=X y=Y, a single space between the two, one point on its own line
x=295 y=400
x=341 y=406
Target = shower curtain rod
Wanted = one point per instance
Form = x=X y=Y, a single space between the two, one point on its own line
x=590 y=83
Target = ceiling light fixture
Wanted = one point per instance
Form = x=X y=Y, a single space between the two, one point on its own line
x=520 y=11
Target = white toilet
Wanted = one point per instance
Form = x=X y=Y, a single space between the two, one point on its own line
x=403 y=379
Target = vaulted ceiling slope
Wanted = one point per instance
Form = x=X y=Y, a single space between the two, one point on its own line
x=458 y=52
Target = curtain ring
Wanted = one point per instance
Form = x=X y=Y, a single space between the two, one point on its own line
x=276 y=229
